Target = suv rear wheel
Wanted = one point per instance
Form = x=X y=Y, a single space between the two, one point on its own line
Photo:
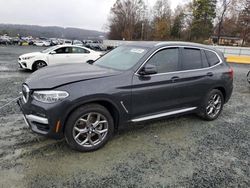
x=89 y=128
x=212 y=105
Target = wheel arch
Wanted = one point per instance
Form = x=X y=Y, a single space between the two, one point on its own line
x=109 y=105
x=32 y=67
x=223 y=91
x=90 y=61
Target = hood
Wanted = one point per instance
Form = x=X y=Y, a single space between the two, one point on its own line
x=31 y=54
x=54 y=76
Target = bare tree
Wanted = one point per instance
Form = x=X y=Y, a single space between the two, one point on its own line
x=162 y=20
x=126 y=19
x=222 y=8
x=187 y=21
x=244 y=21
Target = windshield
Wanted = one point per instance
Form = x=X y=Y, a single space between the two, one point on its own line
x=49 y=49
x=122 y=58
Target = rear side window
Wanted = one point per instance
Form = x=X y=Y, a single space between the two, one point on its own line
x=212 y=58
x=166 y=60
x=204 y=59
x=191 y=59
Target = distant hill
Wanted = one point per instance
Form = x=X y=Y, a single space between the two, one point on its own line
x=49 y=31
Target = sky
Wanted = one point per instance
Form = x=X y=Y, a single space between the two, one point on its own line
x=86 y=14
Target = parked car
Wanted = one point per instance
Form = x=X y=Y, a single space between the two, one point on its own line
x=96 y=46
x=60 y=54
x=42 y=43
x=5 y=40
x=133 y=83
x=77 y=43
x=15 y=40
x=23 y=43
x=67 y=42
x=54 y=42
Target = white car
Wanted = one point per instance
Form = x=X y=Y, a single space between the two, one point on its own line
x=57 y=55
x=42 y=43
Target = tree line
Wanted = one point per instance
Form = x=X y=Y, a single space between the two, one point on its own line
x=195 y=20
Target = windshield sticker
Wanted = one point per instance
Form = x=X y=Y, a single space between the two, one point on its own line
x=137 y=50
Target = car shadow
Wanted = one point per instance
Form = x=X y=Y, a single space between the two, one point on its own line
x=159 y=122
x=25 y=71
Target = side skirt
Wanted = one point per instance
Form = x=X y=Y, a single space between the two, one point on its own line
x=163 y=114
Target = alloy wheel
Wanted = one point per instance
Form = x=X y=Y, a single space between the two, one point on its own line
x=90 y=129
x=214 y=105
x=40 y=65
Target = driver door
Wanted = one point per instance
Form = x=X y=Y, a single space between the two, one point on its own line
x=61 y=55
x=157 y=93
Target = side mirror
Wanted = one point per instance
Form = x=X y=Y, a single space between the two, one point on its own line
x=52 y=53
x=148 y=69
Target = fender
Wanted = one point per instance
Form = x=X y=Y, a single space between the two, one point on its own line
x=122 y=115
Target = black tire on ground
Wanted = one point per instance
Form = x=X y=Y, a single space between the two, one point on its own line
x=90 y=62
x=38 y=65
x=248 y=77
x=209 y=103
x=75 y=120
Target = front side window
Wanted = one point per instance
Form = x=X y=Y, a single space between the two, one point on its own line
x=166 y=60
x=212 y=58
x=191 y=59
x=122 y=58
x=63 y=50
x=204 y=59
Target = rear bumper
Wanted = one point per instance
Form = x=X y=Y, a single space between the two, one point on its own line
x=229 y=90
x=229 y=94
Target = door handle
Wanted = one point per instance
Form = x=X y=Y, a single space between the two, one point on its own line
x=175 y=78
x=210 y=74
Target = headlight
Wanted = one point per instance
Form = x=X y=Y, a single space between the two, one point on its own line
x=29 y=57
x=49 y=96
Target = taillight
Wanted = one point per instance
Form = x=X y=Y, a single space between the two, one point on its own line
x=231 y=72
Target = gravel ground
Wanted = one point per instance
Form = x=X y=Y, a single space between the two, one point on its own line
x=176 y=152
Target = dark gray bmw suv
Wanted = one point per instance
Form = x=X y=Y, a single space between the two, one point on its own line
x=133 y=83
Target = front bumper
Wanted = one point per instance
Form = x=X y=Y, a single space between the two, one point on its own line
x=41 y=119
x=22 y=64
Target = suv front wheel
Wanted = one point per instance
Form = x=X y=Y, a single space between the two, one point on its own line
x=38 y=65
x=89 y=128
x=212 y=105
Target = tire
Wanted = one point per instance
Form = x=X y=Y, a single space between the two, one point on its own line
x=248 y=77
x=38 y=65
x=212 y=105
x=90 y=62
x=89 y=128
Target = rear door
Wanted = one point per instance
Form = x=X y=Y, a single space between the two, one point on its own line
x=195 y=78
x=79 y=55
